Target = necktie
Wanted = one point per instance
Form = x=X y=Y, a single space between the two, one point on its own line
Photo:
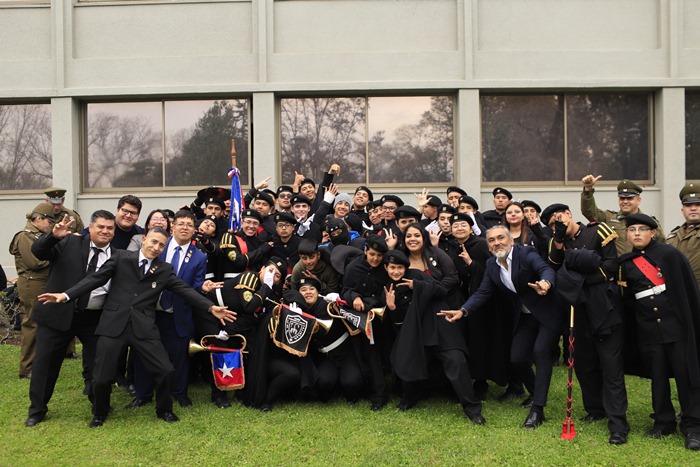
x=166 y=298
x=144 y=262
x=92 y=265
x=175 y=261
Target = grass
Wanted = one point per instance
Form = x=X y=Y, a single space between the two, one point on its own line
x=435 y=432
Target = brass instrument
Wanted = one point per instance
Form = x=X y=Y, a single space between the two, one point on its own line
x=203 y=347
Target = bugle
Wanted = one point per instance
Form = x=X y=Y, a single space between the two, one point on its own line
x=203 y=347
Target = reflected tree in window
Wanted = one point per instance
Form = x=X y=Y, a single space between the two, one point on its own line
x=318 y=132
x=25 y=146
x=692 y=136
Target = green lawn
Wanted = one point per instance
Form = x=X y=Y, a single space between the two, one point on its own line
x=435 y=432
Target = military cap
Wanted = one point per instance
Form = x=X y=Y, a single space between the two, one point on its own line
x=354 y=222
x=434 y=201
x=407 y=211
x=502 y=191
x=214 y=192
x=261 y=195
x=284 y=188
x=366 y=190
x=531 y=204
x=446 y=208
x=218 y=201
x=461 y=216
x=396 y=257
x=376 y=243
x=272 y=193
x=456 y=189
x=307 y=181
x=552 y=209
x=300 y=199
x=171 y=213
x=334 y=224
x=44 y=209
x=690 y=194
x=279 y=263
x=377 y=203
x=252 y=213
x=628 y=189
x=470 y=201
x=212 y=218
x=634 y=219
x=309 y=281
x=285 y=217
x=392 y=199
x=55 y=195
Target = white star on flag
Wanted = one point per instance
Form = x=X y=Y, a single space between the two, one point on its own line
x=225 y=371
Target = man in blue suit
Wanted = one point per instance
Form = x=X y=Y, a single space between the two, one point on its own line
x=520 y=274
x=174 y=316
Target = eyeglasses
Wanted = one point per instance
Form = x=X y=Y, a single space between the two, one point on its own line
x=185 y=225
x=284 y=225
x=157 y=219
x=127 y=212
x=285 y=195
x=389 y=208
x=639 y=229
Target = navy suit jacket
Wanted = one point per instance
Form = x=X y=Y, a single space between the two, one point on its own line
x=527 y=267
x=192 y=271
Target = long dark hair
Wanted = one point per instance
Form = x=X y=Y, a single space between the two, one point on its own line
x=524 y=227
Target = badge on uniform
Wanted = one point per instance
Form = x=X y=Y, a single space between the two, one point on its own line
x=247 y=296
x=153 y=285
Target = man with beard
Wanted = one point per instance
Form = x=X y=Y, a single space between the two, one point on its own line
x=416 y=300
x=520 y=274
x=496 y=216
x=244 y=250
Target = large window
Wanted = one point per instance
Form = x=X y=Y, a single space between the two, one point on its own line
x=560 y=138
x=375 y=140
x=165 y=143
x=25 y=147
x=692 y=135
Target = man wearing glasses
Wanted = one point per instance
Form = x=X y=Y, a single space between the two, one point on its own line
x=128 y=210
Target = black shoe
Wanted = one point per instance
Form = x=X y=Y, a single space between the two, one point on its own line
x=618 y=439
x=377 y=406
x=592 y=417
x=168 y=417
x=136 y=402
x=266 y=408
x=33 y=421
x=97 y=421
x=512 y=392
x=221 y=401
x=405 y=405
x=184 y=401
x=527 y=403
x=131 y=390
x=71 y=356
x=27 y=376
x=692 y=441
x=477 y=419
x=658 y=432
x=533 y=420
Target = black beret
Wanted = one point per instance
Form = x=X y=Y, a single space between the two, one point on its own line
x=212 y=218
x=634 y=219
x=354 y=222
x=285 y=217
x=434 y=201
x=218 y=201
x=307 y=181
x=407 y=211
x=466 y=199
x=502 y=191
x=265 y=197
x=392 y=199
x=377 y=203
x=456 y=189
x=285 y=188
x=462 y=216
x=309 y=281
x=552 y=209
x=376 y=243
x=446 y=208
x=279 y=263
x=300 y=199
x=252 y=213
x=365 y=189
x=529 y=203
x=396 y=257
x=169 y=212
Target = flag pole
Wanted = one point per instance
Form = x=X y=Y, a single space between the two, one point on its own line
x=237 y=200
x=568 y=431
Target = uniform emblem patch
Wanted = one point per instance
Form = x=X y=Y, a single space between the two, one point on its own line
x=294 y=328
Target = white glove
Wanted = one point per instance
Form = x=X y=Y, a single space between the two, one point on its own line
x=331 y=297
x=294 y=307
x=223 y=335
x=475 y=227
x=328 y=197
x=433 y=227
x=269 y=277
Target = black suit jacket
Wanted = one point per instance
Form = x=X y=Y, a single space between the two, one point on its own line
x=133 y=296
x=69 y=258
x=527 y=267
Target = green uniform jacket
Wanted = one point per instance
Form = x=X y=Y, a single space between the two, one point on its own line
x=614 y=219
x=688 y=241
x=78 y=226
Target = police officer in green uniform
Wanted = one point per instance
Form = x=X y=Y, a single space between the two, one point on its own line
x=56 y=197
x=687 y=236
x=628 y=200
x=32 y=275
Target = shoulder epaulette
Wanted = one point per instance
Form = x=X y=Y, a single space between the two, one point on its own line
x=249 y=281
x=676 y=229
x=606 y=233
x=227 y=241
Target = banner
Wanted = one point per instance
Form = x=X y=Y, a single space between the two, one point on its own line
x=294 y=330
x=237 y=204
x=228 y=370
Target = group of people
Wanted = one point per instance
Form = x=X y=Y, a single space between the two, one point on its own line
x=400 y=298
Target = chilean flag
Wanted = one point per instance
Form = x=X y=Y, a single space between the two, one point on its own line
x=228 y=370
x=237 y=204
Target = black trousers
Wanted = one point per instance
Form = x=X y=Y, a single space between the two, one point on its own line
x=51 y=347
x=151 y=353
x=283 y=377
x=533 y=342
x=599 y=369
x=662 y=360
x=339 y=366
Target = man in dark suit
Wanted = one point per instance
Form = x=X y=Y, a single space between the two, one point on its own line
x=72 y=257
x=128 y=318
x=520 y=274
x=174 y=316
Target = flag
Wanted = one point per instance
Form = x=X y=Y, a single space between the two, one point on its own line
x=228 y=370
x=294 y=330
x=356 y=321
x=237 y=203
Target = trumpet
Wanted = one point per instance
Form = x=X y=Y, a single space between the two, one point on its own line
x=203 y=347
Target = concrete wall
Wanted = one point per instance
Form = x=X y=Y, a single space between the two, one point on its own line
x=68 y=52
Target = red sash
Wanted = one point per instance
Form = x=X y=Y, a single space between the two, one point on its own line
x=243 y=246
x=651 y=272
